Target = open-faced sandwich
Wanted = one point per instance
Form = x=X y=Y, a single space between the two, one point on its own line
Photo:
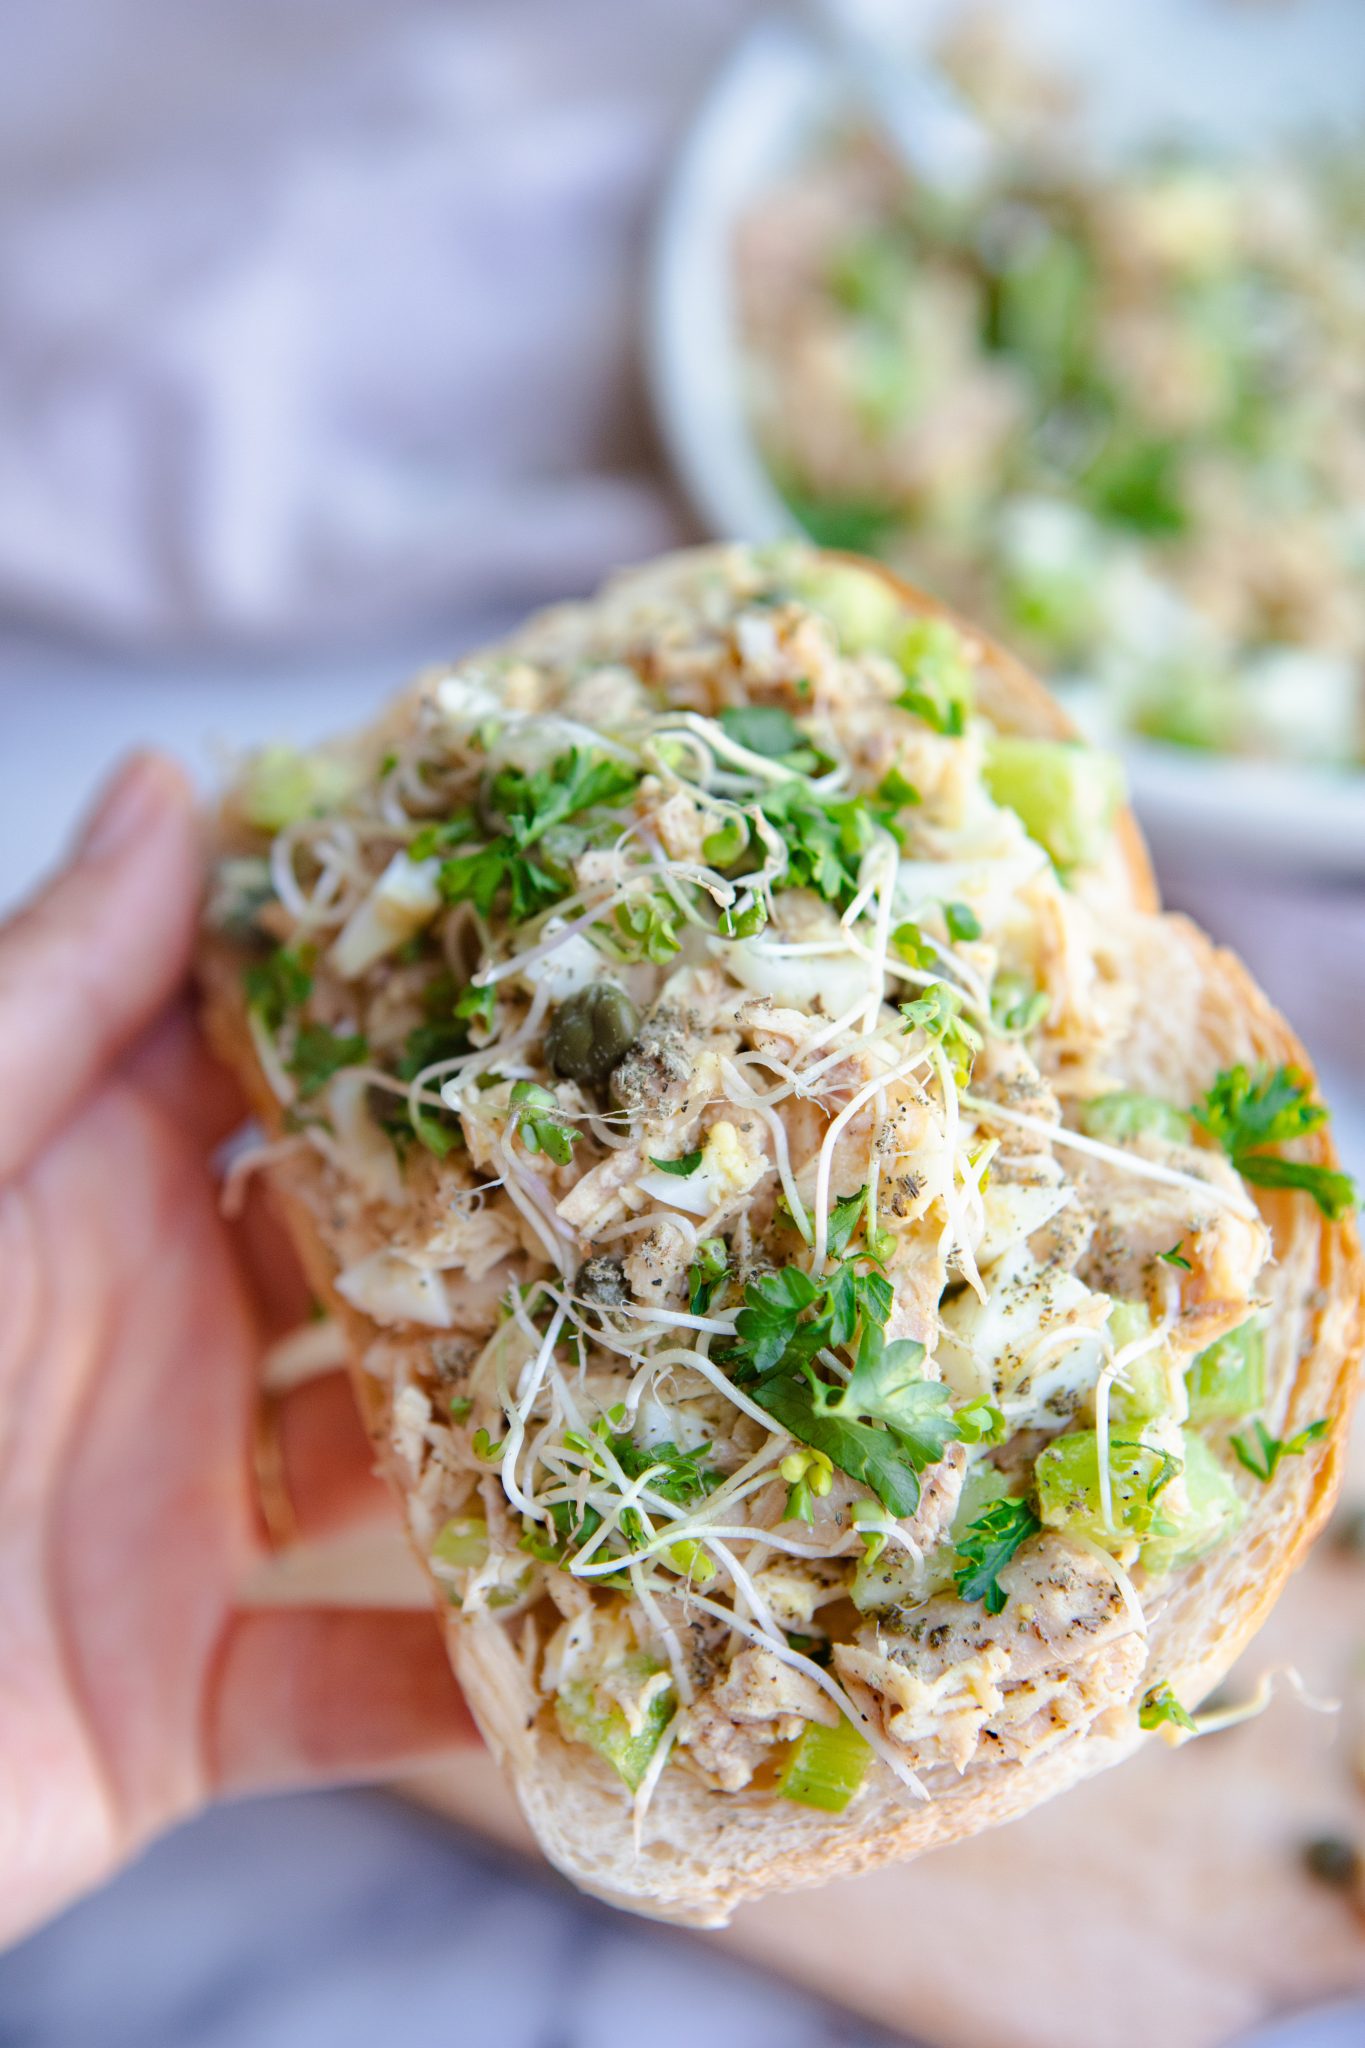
x=860 y=1309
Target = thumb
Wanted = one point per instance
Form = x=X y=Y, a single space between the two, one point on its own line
x=90 y=961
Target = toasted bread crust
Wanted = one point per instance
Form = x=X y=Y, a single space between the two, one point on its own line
x=706 y=1852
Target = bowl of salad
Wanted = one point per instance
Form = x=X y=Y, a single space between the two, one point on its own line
x=1109 y=401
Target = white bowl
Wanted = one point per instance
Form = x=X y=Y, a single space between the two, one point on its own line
x=1229 y=71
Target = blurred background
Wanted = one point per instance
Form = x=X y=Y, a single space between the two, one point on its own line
x=338 y=333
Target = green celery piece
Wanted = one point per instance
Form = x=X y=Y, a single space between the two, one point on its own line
x=1125 y=1114
x=860 y=604
x=581 y=1720
x=1227 y=1382
x=1066 y=1477
x=826 y=1766
x=282 y=785
x=1215 y=1511
x=1067 y=795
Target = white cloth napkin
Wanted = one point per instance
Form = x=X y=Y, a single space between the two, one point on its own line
x=321 y=314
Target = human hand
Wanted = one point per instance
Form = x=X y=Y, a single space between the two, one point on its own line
x=132 y=1688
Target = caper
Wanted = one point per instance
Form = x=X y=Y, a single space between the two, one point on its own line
x=602 y=1282
x=591 y=1031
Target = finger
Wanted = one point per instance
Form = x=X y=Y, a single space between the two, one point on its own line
x=316 y=1696
x=171 y=1063
x=279 y=1285
x=92 y=959
x=327 y=1466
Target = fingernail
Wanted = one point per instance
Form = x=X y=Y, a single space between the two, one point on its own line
x=123 y=809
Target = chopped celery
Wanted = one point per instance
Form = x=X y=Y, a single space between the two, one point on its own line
x=860 y=604
x=1213 y=1511
x=826 y=1766
x=1153 y=1386
x=1067 y=795
x=1125 y=1114
x=1227 y=1382
x=896 y=1577
x=582 y=1718
x=1068 y=1483
x=463 y=1541
x=282 y=785
x=938 y=675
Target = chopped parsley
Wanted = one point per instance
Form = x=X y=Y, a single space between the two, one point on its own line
x=278 y=985
x=528 y=807
x=769 y=730
x=986 y=1547
x=684 y=1167
x=319 y=1053
x=844 y=1218
x=883 y=1425
x=1176 y=1257
x=1245 y=1111
x=825 y=839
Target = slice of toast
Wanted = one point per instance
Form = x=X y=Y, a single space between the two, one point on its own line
x=701 y=1850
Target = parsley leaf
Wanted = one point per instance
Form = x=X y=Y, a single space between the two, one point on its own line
x=825 y=840
x=1244 y=1111
x=766 y=1325
x=843 y=1221
x=870 y=1455
x=684 y=1167
x=886 y=1387
x=1160 y=1704
x=1176 y=1257
x=479 y=878
x=319 y=1053
x=986 y=1547
x=575 y=782
x=529 y=806
x=279 y=984
x=765 y=729
x=1336 y=1193
x=1263 y=1453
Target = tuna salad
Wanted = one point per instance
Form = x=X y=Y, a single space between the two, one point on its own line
x=809 y=1327
x=1115 y=412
